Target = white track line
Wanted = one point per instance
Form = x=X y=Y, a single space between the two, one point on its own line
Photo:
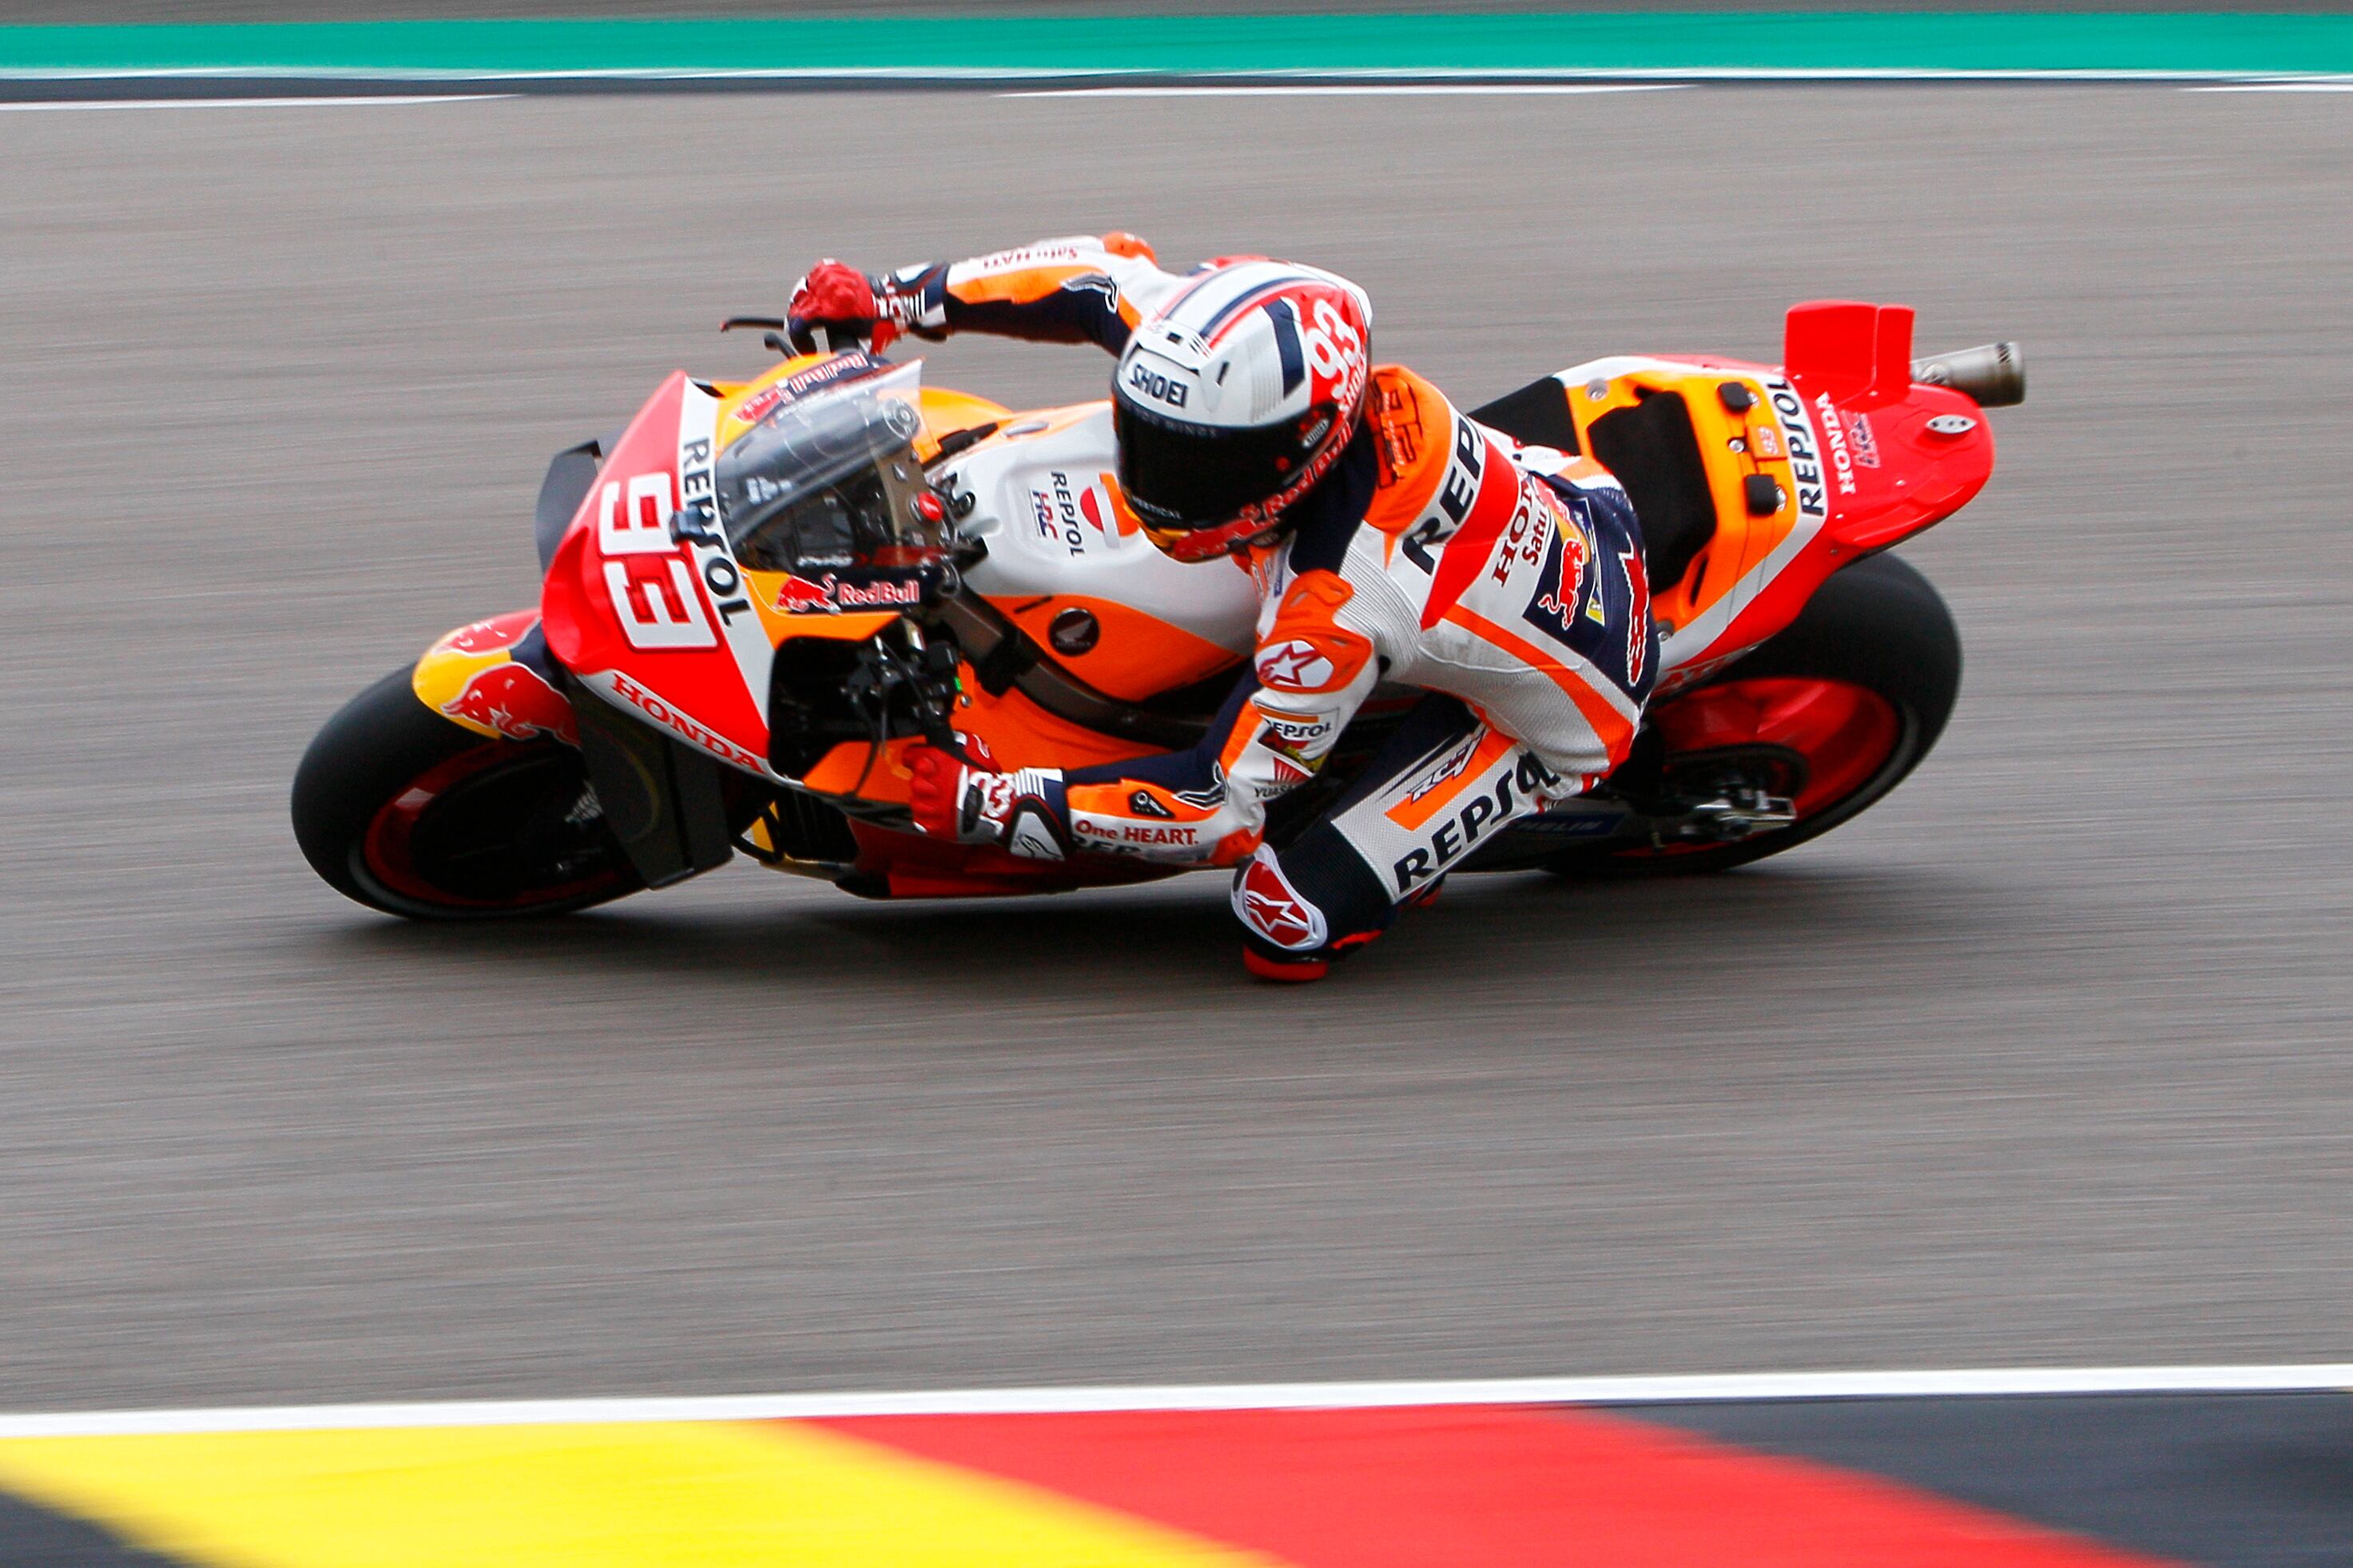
x=1358 y=90
x=2276 y=86
x=348 y=102
x=2305 y=1379
x=821 y=77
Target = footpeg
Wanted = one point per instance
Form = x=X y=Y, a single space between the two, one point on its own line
x=1736 y=814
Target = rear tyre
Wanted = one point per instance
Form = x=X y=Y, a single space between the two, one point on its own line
x=1837 y=709
x=404 y=811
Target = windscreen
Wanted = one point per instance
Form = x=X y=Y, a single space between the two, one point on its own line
x=829 y=479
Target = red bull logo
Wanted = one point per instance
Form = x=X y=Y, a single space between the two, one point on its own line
x=800 y=596
x=490 y=636
x=830 y=595
x=517 y=701
x=1561 y=595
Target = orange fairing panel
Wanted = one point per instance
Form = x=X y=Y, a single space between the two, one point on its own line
x=1132 y=656
x=1002 y=732
x=945 y=412
x=1857 y=457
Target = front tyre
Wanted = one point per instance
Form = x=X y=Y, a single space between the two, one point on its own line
x=404 y=811
x=1832 y=712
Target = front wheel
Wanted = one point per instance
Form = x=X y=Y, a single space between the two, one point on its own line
x=1830 y=714
x=404 y=811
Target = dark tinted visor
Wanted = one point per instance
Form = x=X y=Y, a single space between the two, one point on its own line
x=1194 y=475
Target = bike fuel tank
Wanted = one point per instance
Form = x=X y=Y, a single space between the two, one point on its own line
x=1067 y=562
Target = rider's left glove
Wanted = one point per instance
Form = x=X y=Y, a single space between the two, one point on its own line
x=845 y=303
x=950 y=799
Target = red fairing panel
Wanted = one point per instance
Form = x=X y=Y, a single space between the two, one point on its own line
x=1895 y=456
x=656 y=625
x=1874 y=457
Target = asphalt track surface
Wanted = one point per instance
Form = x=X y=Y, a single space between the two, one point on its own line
x=2043 y=1060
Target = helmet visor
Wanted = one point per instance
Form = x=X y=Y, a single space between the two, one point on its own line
x=1176 y=474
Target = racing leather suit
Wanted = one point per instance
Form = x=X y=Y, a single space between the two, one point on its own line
x=1503 y=581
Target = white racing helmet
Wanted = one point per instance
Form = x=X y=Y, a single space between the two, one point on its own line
x=1234 y=398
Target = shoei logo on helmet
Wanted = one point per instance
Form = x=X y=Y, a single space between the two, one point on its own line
x=1153 y=385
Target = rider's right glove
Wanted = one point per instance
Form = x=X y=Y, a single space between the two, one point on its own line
x=950 y=799
x=844 y=303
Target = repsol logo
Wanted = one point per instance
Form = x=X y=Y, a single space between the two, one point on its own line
x=1153 y=385
x=1455 y=836
x=692 y=524
x=1452 y=502
x=1805 y=457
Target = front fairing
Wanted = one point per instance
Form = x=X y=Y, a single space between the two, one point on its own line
x=657 y=623
x=662 y=618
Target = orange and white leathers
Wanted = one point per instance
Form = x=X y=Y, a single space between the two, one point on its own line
x=1078 y=289
x=1505 y=576
x=1439 y=554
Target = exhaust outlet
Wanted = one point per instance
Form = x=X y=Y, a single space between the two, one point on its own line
x=1993 y=373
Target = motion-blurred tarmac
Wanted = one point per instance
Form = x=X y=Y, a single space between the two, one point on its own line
x=2043 y=1059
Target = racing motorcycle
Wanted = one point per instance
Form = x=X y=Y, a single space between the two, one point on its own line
x=760 y=594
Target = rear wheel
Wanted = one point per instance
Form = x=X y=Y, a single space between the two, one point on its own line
x=1830 y=714
x=404 y=811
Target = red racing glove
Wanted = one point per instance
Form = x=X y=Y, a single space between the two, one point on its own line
x=950 y=799
x=844 y=303
x=936 y=798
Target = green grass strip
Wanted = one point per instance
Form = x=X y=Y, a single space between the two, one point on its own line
x=1595 y=42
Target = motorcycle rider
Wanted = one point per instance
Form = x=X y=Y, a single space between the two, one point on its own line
x=1392 y=539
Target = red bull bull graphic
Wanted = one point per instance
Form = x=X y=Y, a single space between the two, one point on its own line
x=517 y=701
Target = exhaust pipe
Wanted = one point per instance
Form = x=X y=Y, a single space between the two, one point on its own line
x=1993 y=373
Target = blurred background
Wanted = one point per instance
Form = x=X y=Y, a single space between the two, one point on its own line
x=2041 y=1061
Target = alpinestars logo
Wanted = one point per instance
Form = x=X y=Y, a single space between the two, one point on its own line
x=1293 y=666
x=1272 y=908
